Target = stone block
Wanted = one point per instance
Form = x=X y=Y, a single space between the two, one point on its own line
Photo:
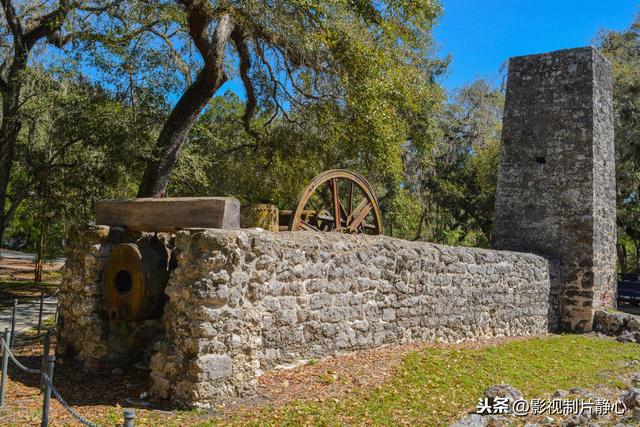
x=214 y=366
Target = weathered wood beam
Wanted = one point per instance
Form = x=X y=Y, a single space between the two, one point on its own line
x=170 y=213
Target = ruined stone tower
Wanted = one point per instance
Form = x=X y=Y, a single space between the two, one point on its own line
x=556 y=181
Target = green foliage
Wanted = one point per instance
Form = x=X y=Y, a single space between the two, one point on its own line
x=622 y=48
x=379 y=104
x=337 y=84
x=456 y=182
x=80 y=144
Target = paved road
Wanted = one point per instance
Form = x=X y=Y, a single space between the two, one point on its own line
x=27 y=315
x=23 y=256
x=627 y=308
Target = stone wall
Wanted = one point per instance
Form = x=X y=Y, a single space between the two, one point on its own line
x=556 y=182
x=242 y=302
x=83 y=329
x=245 y=301
x=604 y=187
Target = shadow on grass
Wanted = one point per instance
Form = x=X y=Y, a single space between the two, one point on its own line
x=23 y=291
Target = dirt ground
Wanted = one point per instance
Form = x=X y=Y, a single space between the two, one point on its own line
x=18 y=266
x=101 y=397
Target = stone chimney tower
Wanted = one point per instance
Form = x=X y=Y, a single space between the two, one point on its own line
x=556 y=182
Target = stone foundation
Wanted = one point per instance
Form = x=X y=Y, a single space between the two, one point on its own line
x=84 y=331
x=243 y=302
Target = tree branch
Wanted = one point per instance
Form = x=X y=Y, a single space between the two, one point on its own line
x=13 y=22
x=274 y=89
x=46 y=25
x=59 y=40
x=4 y=85
x=251 y=104
x=184 y=68
x=199 y=16
x=15 y=202
x=99 y=9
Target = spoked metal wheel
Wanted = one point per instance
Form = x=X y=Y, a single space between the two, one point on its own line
x=338 y=200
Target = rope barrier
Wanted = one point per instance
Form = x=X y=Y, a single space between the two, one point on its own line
x=65 y=405
x=49 y=384
x=18 y=364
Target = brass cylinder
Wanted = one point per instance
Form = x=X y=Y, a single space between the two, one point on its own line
x=261 y=215
x=134 y=280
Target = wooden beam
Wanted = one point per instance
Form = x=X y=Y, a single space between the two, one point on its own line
x=170 y=213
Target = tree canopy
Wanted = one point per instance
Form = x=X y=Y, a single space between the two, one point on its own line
x=622 y=48
x=318 y=85
x=252 y=99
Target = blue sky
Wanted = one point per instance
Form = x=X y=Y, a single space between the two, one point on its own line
x=482 y=34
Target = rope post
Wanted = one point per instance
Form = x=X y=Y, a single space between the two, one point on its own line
x=14 y=311
x=45 y=355
x=129 y=415
x=51 y=360
x=5 y=364
x=40 y=312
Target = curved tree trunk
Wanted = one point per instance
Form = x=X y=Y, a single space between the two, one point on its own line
x=193 y=100
x=9 y=131
x=176 y=129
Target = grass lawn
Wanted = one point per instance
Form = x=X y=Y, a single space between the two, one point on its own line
x=434 y=386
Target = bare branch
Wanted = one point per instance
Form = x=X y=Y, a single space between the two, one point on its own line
x=295 y=86
x=251 y=104
x=184 y=68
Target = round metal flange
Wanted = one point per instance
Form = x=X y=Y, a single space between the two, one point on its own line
x=124 y=282
x=134 y=280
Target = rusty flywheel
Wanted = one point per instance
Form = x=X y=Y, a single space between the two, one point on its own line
x=338 y=200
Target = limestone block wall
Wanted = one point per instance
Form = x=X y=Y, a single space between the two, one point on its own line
x=556 y=182
x=242 y=302
x=604 y=188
